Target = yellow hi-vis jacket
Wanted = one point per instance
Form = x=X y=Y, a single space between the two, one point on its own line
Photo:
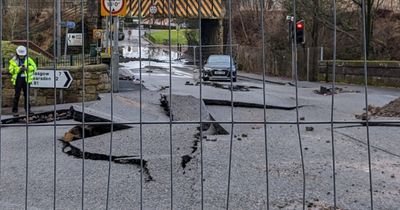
x=15 y=69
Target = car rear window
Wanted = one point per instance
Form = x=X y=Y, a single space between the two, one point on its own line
x=219 y=59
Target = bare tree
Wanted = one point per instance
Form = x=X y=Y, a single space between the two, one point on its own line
x=371 y=6
x=11 y=20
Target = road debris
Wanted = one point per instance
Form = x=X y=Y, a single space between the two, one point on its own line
x=328 y=91
x=211 y=139
x=189 y=83
x=123 y=77
x=77 y=132
x=392 y=109
x=163 y=88
x=44 y=117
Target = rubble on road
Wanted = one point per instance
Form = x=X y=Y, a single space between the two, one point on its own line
x=329 y=91
x=392 y=109
x=189 y=83
x=44 y=117
x=125 y=77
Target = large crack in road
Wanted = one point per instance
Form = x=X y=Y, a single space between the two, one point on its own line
x=77 y=133
x=124 y=160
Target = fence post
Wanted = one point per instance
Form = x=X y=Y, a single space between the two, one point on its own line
x=308 y=64
x=61 y=96
x=37 y=61
x=71 y=60
x=194 y=56
x=322 y=53
x=4 y=62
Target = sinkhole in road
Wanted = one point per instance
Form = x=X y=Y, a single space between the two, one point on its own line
x=78 y=132
x=87 y=131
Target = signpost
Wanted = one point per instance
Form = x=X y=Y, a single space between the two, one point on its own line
x=113 y=7
x=45 y=79
x=74 y=39
x=67 y=25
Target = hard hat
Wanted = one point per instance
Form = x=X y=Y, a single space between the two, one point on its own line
x=21 y=51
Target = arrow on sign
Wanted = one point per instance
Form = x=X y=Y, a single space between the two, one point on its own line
x=45 y=79
x=66 y=79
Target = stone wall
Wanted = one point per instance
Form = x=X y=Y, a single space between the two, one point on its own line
x=380 y=73
x=97 y=81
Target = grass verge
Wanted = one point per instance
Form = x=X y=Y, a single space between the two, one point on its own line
x=162 y=37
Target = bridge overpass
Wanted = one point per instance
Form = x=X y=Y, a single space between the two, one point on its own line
x=212 y=14
x=210 y=9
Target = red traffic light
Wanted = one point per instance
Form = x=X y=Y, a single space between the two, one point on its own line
x=300 y=25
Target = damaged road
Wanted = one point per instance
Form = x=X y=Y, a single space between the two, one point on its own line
x=228 y=86
x=216 y=102
x=179 y=155
x=164 y=102
x=328 y=91
x=123 y=160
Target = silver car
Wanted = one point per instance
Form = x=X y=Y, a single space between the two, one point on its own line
x=219 y=67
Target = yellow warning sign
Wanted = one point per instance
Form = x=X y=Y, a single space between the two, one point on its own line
x=98 y=33
x=113 y=7
x=179 y=8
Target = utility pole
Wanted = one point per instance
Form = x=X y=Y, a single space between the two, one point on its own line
x=58 y=15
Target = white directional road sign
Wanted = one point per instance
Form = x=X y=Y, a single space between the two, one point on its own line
x=45 y=79
x=153 y=9
x=74 y=39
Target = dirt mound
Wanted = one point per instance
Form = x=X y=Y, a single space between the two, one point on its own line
x=392 y=109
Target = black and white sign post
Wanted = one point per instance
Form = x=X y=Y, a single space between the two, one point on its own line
x=45 y=79
x=67 y=25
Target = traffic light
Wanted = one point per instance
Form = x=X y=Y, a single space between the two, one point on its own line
x=300 y=32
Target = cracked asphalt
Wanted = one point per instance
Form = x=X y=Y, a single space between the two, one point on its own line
x=248 y=171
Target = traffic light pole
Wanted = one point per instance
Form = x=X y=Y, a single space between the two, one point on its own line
x=296 y=36
x=294 y=59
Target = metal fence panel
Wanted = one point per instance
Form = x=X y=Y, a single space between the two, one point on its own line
x=198 y=55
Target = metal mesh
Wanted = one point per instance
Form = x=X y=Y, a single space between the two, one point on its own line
x=200 y=122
